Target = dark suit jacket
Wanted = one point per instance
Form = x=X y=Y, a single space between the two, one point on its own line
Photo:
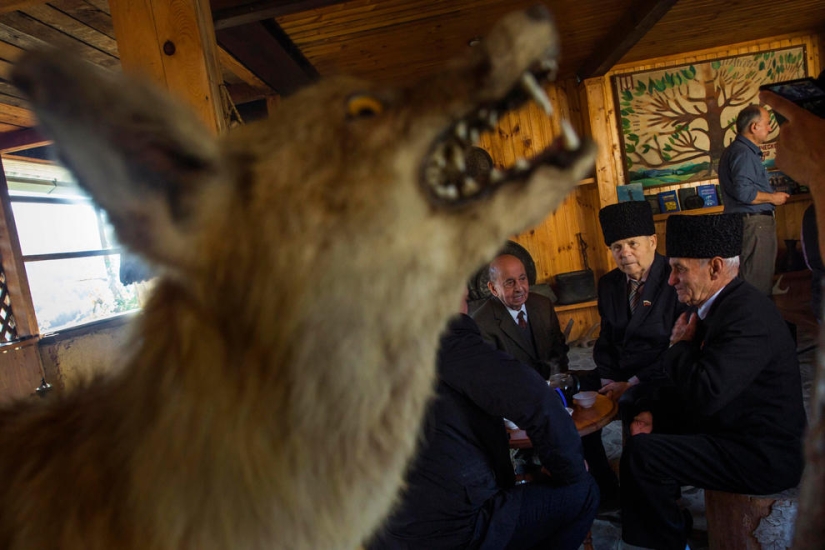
x=633 y=346
x=741 y=385
x=464 y=460
x=498 y=327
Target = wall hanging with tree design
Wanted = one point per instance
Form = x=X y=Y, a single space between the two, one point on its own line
x=675 y=122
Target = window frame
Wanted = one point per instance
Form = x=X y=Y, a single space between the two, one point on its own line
x=14 y=262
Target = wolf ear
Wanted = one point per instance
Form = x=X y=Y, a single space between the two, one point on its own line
x=143 y=158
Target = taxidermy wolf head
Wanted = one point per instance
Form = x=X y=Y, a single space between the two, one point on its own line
x=278 y=375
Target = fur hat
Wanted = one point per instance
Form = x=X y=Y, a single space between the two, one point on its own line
x=625 y=220
x=704 y=236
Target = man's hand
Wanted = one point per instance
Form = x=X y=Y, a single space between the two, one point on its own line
x=642 y=423
x=779 y=198
x=685 y=328
x=614 y=390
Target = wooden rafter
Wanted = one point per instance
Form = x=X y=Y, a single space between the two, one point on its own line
x=7 y=6
x=172 y=43
x=268 y=53
x=632 y=26
x=21 y=139
x=259 y=10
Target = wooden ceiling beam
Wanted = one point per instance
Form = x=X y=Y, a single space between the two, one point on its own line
x=19 y=140
x=260 y=10
x=8 y=6
x=632 y=26
x=173 y=44
x=240 y=70
x=266 y=50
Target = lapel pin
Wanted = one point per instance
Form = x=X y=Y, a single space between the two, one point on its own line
x=646 y=303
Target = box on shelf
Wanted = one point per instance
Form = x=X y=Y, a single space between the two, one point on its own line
x=653 y=200
x=782 y=183
x=708 y=194
x=630 y=192
x=668 y=202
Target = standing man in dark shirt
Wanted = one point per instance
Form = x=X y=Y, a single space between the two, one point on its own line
x=747 y=191
x=460 y=489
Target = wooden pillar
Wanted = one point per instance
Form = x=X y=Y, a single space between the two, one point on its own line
x=601 y=118
x=17 y=282
x=173 y=43
x=20 y=366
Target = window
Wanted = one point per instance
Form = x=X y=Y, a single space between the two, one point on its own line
x=70 y=254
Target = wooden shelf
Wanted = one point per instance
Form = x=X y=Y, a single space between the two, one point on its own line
x=694 y=212
x=587 y=181
x=799 y=197
x=580 y=305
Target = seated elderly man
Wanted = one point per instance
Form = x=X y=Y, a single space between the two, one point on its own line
x=637 y=306
x=460 y=489
x=518 y=322
x=525 y=326
x=734 y=367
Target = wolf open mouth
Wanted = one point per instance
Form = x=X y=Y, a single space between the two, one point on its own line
x=445 y=174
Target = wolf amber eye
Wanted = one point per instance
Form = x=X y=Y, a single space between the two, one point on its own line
x=362 y=105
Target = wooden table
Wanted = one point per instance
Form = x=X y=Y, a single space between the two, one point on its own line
x=587 y=421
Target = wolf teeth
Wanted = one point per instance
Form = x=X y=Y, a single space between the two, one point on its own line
x=470 y=186
x=571 y=139
x=532 y=87
x=551 y=65
x=458 y=158
x=438 y=158
x=461 y=130
x=447 y=192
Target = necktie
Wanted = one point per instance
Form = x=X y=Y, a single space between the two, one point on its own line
x=522 y=322
x=635 y=294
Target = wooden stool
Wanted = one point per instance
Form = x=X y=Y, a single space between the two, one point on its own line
x=750 y=522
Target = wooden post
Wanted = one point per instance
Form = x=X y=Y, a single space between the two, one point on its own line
x=17 y=282
x=173 y=43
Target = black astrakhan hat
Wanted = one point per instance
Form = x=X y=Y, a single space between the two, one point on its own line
x=704 y=236
x=625 y=220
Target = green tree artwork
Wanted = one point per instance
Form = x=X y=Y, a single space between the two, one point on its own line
x=676 y=122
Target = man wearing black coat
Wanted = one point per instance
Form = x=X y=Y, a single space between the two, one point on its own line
x=734 y=367
x=460 y=489
x=635 y=323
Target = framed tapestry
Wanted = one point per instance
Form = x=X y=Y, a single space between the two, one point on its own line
x=675 y=122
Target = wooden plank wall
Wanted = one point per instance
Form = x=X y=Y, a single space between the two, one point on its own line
x=554 y=243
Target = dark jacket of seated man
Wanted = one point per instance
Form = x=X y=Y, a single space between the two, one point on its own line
x=547 y=352
x=460 y=489
x=633 y=344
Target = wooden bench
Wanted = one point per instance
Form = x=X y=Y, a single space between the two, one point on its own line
x=750 y=522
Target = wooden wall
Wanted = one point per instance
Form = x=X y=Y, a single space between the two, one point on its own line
x=554 y=244
x=789 y=216
x=589 y=107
